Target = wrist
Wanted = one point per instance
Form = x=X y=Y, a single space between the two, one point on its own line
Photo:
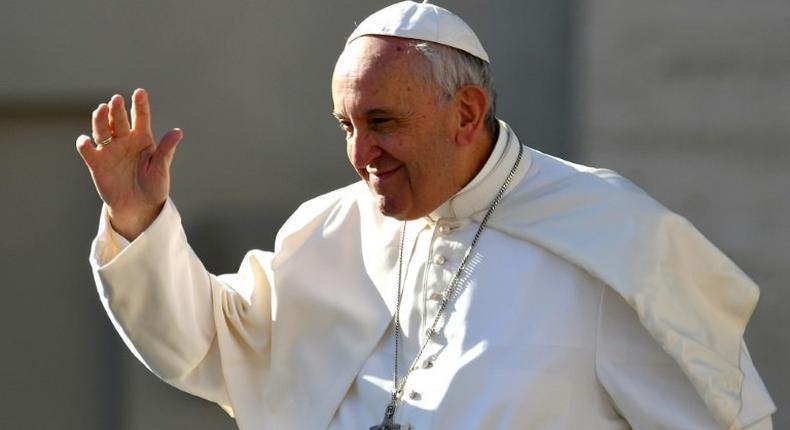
x=130 y=223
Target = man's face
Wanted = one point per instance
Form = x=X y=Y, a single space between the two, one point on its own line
x=399 y=128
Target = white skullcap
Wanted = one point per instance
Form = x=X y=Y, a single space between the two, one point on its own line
x=422 y=21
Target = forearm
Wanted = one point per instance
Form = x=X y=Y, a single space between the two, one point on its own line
x=158 y=295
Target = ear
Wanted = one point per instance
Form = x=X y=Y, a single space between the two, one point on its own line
x=472 y=104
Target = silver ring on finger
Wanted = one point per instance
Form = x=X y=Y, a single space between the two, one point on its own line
x=104 y=141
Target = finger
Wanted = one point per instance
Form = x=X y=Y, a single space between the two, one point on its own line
x=101 y=123
x=86 y=149
x=141 y=111
x=167 y=146
x=119 y=122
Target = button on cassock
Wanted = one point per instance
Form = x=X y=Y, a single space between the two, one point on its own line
x=439 y=260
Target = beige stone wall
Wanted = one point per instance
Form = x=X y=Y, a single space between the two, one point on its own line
x=691 y=100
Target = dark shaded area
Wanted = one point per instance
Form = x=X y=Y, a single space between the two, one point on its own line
x=59 y=351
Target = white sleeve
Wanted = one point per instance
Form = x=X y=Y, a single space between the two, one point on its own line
x=108 y=243
x=169 y=310
x=647 y=386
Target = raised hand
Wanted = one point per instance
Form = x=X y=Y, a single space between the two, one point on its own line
x=131 y=172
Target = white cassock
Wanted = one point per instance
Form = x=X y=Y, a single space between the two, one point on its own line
x=587 y=305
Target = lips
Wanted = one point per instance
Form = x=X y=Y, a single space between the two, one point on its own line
x=381 y=174
x=381 y=178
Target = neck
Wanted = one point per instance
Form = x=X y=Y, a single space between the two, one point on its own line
x=474 y=160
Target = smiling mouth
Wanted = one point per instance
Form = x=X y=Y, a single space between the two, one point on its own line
x=379 y=175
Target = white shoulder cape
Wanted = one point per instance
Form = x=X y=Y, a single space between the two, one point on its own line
x=693 y=299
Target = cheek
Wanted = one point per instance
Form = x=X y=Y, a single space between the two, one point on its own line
x=392 y=145
x=435 y=165
x=350 y=155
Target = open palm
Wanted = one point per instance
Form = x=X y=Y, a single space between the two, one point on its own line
x=130 y=171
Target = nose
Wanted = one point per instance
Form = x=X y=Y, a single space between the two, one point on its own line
x=362 y=149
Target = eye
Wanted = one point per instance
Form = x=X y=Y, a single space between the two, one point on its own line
x=379 y=123
x=346 y=126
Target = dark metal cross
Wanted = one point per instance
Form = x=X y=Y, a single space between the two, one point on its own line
x=387 y=424
x=391 y=427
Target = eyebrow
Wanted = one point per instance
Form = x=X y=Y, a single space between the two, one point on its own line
x=368 y=113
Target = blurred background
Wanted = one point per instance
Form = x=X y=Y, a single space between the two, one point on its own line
x=690 y=100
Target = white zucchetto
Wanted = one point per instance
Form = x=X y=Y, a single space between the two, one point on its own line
x=422 y=21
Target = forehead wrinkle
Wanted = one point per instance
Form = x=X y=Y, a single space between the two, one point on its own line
x=368 y=53
x=370 y=66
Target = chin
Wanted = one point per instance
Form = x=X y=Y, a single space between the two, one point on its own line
x=389 y=207
x=398 y=213
x=399 y=206
x=390 y=211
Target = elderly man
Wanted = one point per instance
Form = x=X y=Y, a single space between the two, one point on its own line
x=466 y=282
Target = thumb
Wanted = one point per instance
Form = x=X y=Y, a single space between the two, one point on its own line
x=86 y=149
x=167 y=145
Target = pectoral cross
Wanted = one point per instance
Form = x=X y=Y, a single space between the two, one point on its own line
x=387 y=424
x=391 y=427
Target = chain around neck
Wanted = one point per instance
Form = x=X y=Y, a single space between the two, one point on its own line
x=447 y=294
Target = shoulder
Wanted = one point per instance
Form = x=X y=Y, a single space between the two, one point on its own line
x=328 y=208
x=554 y=188
x=325 y=204
x=559 y=174
x=595 y=218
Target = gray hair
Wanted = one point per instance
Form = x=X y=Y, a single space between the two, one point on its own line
x=452 y=68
